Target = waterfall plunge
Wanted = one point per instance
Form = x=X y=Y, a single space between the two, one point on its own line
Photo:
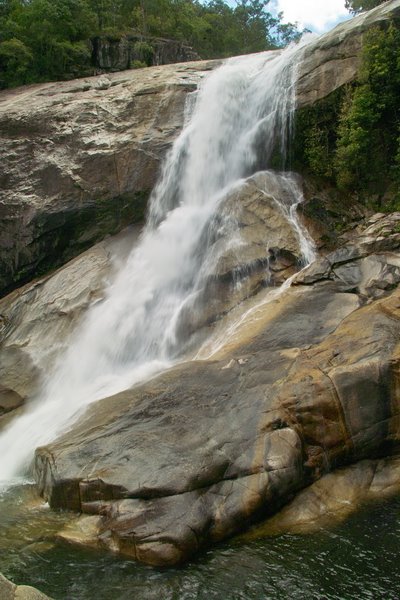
x=244 y=106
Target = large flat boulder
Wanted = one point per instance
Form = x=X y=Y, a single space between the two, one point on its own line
x=207 y=448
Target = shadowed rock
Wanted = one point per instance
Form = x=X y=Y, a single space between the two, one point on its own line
x=37 y=320
x=332 y=498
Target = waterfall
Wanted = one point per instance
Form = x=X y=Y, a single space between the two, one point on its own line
x=241 y=116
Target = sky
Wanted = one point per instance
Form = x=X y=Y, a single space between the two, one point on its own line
x=317 y=15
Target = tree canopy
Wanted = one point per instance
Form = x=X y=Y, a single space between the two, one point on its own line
x=351 y=139
x=357 y=6
x=41 y=40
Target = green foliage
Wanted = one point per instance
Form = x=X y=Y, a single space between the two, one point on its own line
x=143 y=52
x=355 y=138
x=50 y=39
x=368 y=145
x=138 y=64
x=352 y=138
x=356 y=6
x=15 y=60
x=52 y=34
x=316 y=137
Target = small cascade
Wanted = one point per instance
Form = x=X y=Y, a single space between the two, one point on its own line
x=241 y=118
x=285 y=190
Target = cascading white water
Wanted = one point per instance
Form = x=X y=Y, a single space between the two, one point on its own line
x=242 y=112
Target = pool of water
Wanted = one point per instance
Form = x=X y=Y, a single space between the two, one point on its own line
x=357 y=559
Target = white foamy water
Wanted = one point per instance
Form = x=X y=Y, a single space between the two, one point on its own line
x=242 y=115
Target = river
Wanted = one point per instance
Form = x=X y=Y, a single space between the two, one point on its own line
x=356 y=559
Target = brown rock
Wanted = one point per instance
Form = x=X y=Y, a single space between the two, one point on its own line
x=333 y=498
x=79 y=158
x=9 y=400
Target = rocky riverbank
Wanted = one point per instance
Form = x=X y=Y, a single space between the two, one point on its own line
x=203 y=450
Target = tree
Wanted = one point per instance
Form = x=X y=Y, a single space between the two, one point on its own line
x=44 y=39
x=368 y=149
x=15 y=62
x=255 y=25
x=357 y=6
x=50 y=39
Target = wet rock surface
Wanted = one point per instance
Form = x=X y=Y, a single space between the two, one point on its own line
x=209 y=447
x=37 y=320
x=10 y=591
x=253 y=245
x=367 y=262
x=334 y=497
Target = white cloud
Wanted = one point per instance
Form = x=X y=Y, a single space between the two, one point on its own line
x=317 y=15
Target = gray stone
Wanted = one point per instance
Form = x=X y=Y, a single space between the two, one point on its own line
x=79 y=159
x=334 y=59
x=111 y=54
x=38 y=319
x=10 y=591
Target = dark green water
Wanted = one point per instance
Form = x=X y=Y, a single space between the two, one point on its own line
x=358 y=559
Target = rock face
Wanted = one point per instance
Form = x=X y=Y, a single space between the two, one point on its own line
x=255 y=246
x=332 y=498
x=110 y=54
x=206 y=448
x=79 y=159
x=37 y=320
x=334 y=59
x=261 y=208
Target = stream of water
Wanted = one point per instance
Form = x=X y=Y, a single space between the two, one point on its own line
x=242 y=116
x=353 y=560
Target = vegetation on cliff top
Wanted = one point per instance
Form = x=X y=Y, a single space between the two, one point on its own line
x=352 y=138
x=42 y=40
x=356 y=6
